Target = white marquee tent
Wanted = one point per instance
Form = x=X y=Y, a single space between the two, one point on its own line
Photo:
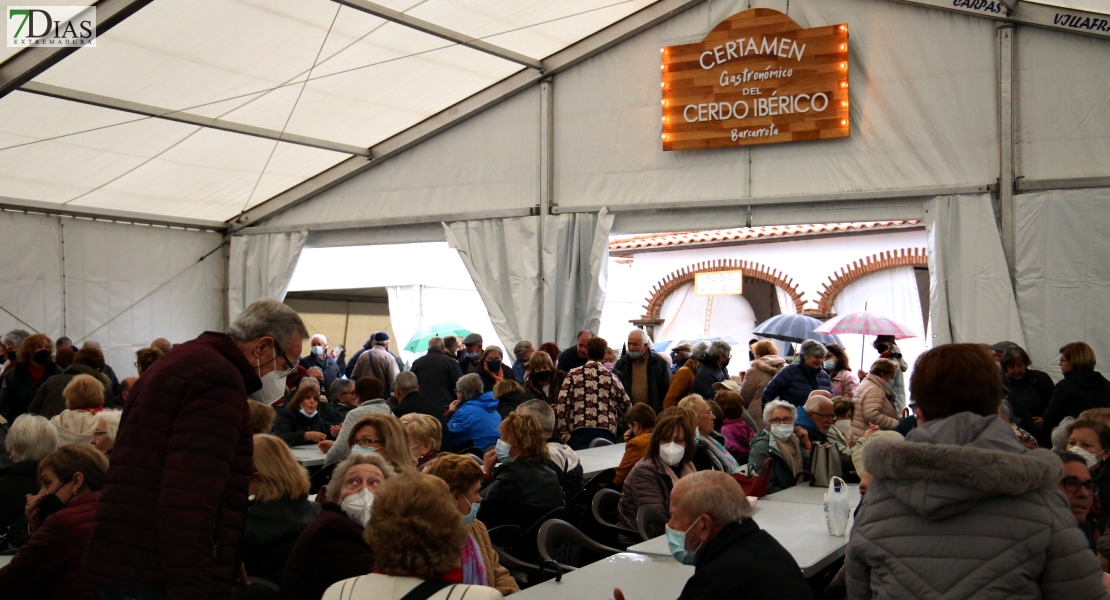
x=159 y=181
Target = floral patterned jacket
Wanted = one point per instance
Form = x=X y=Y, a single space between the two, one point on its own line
x=591 y=396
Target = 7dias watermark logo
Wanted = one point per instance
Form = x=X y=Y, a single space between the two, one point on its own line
x=55 y=26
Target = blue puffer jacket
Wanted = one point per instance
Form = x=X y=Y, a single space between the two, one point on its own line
x=794 y=383
x=475 y=423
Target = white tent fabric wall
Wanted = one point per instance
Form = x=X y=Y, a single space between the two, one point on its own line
x=404 y=317
x=127 y=285
x=31 y=277
x=891 y=293
x=670 y=311
x=502 y=258
x=261 y=266
x=1063 y=274
x=464 y=307
x=970 y=295
x=786 y=303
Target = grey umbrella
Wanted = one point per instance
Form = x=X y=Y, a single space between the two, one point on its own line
x=794 y=328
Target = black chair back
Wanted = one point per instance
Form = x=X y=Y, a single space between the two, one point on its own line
x=650 y=522
x=594 y=443
x=569 y=548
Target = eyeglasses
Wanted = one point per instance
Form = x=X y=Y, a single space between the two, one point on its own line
x=292 y=366
x=367 y=442
x=1072 y=484
x=97 y=434
x=783 y=421
x=826 y=417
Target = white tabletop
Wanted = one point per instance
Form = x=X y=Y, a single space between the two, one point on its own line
x=308 y=455
x=801 y=494
x=5 y=559
x=639 y=576
x=800 y=528
x=595 y=460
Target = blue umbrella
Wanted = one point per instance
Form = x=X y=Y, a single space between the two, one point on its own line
x=794 y=328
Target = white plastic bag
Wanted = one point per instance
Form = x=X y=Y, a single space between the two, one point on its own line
x=837 y=507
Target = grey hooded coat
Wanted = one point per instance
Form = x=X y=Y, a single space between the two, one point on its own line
x=962 y=510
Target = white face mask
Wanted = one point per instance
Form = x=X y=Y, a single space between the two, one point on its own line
x=1086 y=454
x=671 y=453
x=357 y=506
x=782 y=431
x=273 y=386
x=845 y=427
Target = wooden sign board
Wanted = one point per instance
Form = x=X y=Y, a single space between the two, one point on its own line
x=719 y=283
x=756 y=78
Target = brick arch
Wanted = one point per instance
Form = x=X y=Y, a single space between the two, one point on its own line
x=905 y=257
x=681 y=277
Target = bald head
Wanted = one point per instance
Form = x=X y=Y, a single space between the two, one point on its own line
x=819 y=409
x=162 y=344
x=711 y=494
x=125 y=387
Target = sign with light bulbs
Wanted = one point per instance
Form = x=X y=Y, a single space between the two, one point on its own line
x=756 y=78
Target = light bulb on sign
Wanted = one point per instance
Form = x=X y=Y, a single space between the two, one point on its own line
x=844 y=47
x=844 y=103
x=843 y=65
x=844 y=122
x=664 y=103
x=663 y=85
x=662 y=67
x=664 y=136
x=843 y=84
x=844 y=28
x=662 y=51
x=664 y=119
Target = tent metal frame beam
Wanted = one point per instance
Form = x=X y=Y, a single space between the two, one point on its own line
x=106 y=214
x=54 y=91
x=1077 y=183
x=507 y=213
x=383 y=12
x=28 y=63
x=1025 y=13
x=576 y=53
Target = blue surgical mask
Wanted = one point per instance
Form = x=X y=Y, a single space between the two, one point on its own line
x=473 y=355
x=697 y=437
x=309 y=415
x=361 y=450
x=829 y=364
x=474 y=506
x=502 y=449
x=676 y=543
x=317 y=350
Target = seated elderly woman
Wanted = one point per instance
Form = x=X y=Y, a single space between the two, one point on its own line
x=371 y=393
x=425 y=434
x=30 y=438
x=480 y=565
x=84 y=399
x=669 y=457
x=332 y=547
x=785 y=443
x=107 y=425
x=524 y=487
x=710 y=454
x=383 y=435
x=279 y=512
x=299 y=422
x=59 y=518
x=509 y=395
x=472 y=418
x=418 y=538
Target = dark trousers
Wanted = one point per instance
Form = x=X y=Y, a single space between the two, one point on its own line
x=115 y=592
x=580 y=438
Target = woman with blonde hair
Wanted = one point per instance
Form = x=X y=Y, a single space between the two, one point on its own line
x=425 y=434
x=279 y=509
x=383 y=435
x=523 y=488
x=763 y=369
x=480 y=564
x=875 y=401
x=84 y=400
x=418 y=538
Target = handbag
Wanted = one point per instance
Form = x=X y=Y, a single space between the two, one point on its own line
x=755 y=485
x=824 y=464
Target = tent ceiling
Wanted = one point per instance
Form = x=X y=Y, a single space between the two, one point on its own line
x=327 y=78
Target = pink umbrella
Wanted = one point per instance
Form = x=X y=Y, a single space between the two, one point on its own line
x=866 y=323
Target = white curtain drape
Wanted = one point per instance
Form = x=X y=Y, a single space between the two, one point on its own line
x=31 y=274
x=405 y=308
x=670 y=311
x=514 y=278
x=261 y=266
x=1063 y=275
x=786 y=303
x=970 y=296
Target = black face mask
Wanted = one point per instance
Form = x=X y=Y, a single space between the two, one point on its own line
x=493 y=365
x=49 y=505
x=41 y=357
x=13 y=356
x=542 y=376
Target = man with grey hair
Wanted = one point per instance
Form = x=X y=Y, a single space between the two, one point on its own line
x=12 y=340
x=437 y=371
x=713 y=369
x=522 y=351
x=173 y=506
x=472 y=419
x=318 y=357
x=566 y=462
x=817 y=417
x=795 y=382
x=711 y=528
x=411 y=400
x=645 y=375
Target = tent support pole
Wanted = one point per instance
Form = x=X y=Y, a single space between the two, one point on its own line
x=1006 y=144
x=547 y=187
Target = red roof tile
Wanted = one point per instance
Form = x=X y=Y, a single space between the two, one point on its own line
x=683 y=238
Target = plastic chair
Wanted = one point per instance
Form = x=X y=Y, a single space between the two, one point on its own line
x=594 y=443
x=605 y=528
x=579 y=504
x=604 y=507
x=650 y=522
x=569 y=548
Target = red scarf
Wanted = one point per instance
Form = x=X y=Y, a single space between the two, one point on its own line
x=36 y=371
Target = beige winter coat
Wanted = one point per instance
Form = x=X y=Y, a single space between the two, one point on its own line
x=874 y=404
x=758 y=376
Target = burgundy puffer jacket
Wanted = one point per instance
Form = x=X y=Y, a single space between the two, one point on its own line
x=173 y=509
x=48 y=566
x=331 y=549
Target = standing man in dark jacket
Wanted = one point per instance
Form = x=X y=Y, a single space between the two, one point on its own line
x=711 y=527
x=411 y=400
x=713 y=369
x=575 y=356
x=172 y=512
x=794 y=382
x=471 y=359
x=437 y=373
x=643 y=373
x=319 y=358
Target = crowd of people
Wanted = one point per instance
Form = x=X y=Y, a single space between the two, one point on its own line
x=182 y=482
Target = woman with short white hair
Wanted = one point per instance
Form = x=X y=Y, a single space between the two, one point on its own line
x=784 y=443
x=107 y=425
x=30 y=439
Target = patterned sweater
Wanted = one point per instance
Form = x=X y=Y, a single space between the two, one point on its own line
x=591 y=396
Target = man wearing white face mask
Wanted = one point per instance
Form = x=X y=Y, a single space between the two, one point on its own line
x=318 y=357
x=172 y=511
x=711 y=528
